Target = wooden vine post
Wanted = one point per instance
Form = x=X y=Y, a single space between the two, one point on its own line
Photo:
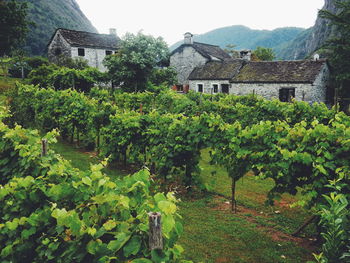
x=43 y=147
x=155 y=231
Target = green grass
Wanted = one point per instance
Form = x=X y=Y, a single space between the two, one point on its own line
x=251 y=193
x=212 y=234
x=82 y=160
x=219 y=236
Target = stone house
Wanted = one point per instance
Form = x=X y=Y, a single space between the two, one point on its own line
x=304 y=80
x=90 y=46
x=191 y=55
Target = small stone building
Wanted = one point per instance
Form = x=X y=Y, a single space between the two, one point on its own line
x=304 y=80
x=191 y=55
x=90 y=46
x=214 y=77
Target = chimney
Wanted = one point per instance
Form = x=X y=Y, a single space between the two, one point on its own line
x=113 y=31
x=316 y=57
x=245 y=54
x=188 y=38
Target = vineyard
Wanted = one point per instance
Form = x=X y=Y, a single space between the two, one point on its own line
x=54 y=211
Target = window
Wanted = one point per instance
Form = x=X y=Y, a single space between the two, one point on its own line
x=286 y=94
x=215 y=88
x=108 y=52
x=81 y=52
x=58 y=51
x=224 y=88
x=200 y=87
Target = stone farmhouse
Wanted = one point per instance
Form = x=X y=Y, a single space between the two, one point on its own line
x=90 y=46
x=190 y=55
x=304 y=80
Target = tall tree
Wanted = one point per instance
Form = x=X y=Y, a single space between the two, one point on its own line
x=13 y=25
x=138 y=56
x=263 y=54
x=338 y=47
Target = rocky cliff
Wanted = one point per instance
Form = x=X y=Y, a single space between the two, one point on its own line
x=49 y=15
x=312 y=39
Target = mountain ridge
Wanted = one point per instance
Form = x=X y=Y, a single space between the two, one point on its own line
x=244 y=37
x=50 y=15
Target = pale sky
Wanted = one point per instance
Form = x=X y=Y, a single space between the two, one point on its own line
x=171 y=19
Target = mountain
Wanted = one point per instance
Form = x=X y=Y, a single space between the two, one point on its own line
x=313 y=38
x=245 y=38
x=48 y=15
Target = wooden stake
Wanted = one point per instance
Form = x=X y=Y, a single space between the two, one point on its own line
x=43 y=147
x=155 y=231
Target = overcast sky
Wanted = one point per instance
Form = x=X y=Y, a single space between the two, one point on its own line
x=171 y=19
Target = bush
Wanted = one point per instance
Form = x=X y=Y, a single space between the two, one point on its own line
x=52 y=212
x=28 y=64
x=41 y=75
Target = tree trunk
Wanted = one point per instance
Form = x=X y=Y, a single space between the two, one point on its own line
x=233 y=196
x=72 y=138
x=188 y=177
x=78 y=138
x=98 y=141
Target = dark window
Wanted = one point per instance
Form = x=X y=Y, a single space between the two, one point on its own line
x=287 y=94
x=200 y=87
x=108 y=52
x=81 y=52
x=58 y=51
x=179 y=88
x=224 y=88
x=215 y=88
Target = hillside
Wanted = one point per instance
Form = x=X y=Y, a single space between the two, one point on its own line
x=246 y=38
x=49 y=15
x=312 y=39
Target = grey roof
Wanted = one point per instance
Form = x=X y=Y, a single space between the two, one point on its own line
x=206 y=50
x=217 y=70
x=87 y=39
x=299 y=71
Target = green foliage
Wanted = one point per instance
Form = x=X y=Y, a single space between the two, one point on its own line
x=335 y=221
x=135 y=61
x=52 y=212
x=27 y=63
x=73 y=63
x=301 y=147
x=65 y=78
x=41 y=75
x=13 y=24
x=163 y=76
x=263 y=54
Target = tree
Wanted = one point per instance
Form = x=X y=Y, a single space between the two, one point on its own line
x=13 y=25
x=338 y=46
x=263 y=54
x=138 y=56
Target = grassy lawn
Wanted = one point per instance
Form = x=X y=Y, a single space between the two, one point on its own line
x=215 y=235
x=252 y=193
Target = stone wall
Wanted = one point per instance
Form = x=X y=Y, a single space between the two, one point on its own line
x=94 y=57
x=207 y=85
x=315 y=92
x=311 y=93
x=58 y=47
x=184 y=62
